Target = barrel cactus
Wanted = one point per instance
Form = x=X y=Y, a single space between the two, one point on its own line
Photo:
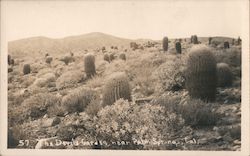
x=116 y=87
x=165 y=44
x=26 y=69
x=194 y=39
x=9 y=59
x=226 y=45
x=106 y=57
x=49 y=59
x=201 y=73
x=111 y=57
x=224 y=75
x=122 y=56
x=178 y=47
x=210 y=40
x=89 y=64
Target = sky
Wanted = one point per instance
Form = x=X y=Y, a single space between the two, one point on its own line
x=123 y=18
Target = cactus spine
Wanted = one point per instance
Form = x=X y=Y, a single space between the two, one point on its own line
x=116 y=87
x=201 y=73
x=165 y=44
x=178 y=47
x=89 y=64
x=224 y=75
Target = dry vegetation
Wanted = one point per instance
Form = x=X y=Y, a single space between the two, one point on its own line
x=122 y=93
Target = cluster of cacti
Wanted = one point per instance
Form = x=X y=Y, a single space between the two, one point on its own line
x=224 y=75
x=122 y=56
x=116 y=87
x=201 y=73
x=26 y=69
x=106 y=57
x=49 y=59
x=210 y=40
x=89 y=65
x=194 y=39
x=226 y=45
x=165 y=44
x=178 y=47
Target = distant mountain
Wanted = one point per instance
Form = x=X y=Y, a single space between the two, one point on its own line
x=41 y=45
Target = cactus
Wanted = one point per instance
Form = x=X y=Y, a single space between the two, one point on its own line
x=210 y=40
x=194 y=39
x=106 y=57
x=224 y=75
x=26 y=69
x=12 y=62
x=46 y=54
x=226 y=45
x=10 y=69
x=201 y=73
x=233 y=41
x=111 y=57
x=239 y=41
x=116 y=87
x=89 y=64
x=122 y=56
x=9 y=60
x=49 y=59
x=178 y=47
x=165 y=44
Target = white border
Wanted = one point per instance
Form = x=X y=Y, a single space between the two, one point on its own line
x=26 y=152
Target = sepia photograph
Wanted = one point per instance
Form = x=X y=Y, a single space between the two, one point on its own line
x=124 y=76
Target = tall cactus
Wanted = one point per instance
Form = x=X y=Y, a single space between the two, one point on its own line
x=116 y=87
x=165 y=44
x=26 y=69
x=89 y=64
x=226 y=45
x=224 y=75
x=210 y=40
x=201 y=73
x=178 y=47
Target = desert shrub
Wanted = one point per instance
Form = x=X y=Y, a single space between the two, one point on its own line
x=224 y=75
x=66 y=133
x=165 y=44
x=178 y=47
x=239 y=41
x=26 y=69
x=226 y=45
x=67 y=59
x=230 y=56
x=27 y=80
x=56 y=109
x=49 y=59
x=115 y=88
x=36 y=106
x=122 y=56
x=94 y=107
x=45 y=80
x=69 y=79
x=170 y=103
x=171 y=74
x=194 y=39
x=77 y=100
x=133 y=45
x=195 y=112
x=106 y=57
x=15 y=134
x=36 y=67
x=95 y=82
x=89 y=65
x=201 y=73
x=131 y=122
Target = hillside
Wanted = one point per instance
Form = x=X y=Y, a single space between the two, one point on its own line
x=41 y=45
